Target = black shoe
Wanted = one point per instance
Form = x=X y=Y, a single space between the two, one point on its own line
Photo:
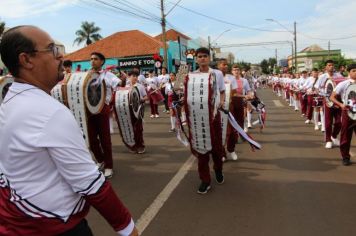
x=346 y=161
x=203 y=188
x=219 y=177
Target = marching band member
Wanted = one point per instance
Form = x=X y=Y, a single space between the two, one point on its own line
x=231 y=134
x=302 y=96
x=348 y=126
x=48 y=177
x=98 y=125
x=154 y=92
x=67 y=64
x=330 y=114
x=310 y=92
x=242 y=93
x=203 y=60
x=170 y=95
x=163 y=80
x=138 y=126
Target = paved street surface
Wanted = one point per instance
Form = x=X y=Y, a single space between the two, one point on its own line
x=293 y=186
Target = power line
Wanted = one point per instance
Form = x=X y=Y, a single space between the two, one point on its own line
x=225 y=22
x=332 y=39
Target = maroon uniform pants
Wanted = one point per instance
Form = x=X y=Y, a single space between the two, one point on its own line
x=154 y=107
x=303 y=103
x=332 y=115
x=217 y=153
x=237 y=110
x=310 y=107
x=348 y=127
x=138 y=129
x=99 y=137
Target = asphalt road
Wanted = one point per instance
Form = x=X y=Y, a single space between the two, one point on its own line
x=293 y=186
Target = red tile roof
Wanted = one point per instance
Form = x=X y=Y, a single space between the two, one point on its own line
x=172 y=35
x=120 y=44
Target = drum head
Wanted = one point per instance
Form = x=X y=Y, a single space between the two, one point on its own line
x=329 y=88
x=135 y=103
x=95 y=93
x=350 y=100
x=5 y=84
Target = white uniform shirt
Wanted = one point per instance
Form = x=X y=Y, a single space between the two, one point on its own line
x=141 y=89
x=320 y=84
x=111 y=82
x=163 y=79
x=142 y=80
x=219 y=78
x=44 y=158
x=232 y=80
x=152 y=82
x=340 y=89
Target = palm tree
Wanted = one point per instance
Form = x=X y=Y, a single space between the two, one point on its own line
x=88 y=33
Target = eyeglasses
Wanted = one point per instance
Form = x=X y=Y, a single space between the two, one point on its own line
x=53 y=48
x=201 y=56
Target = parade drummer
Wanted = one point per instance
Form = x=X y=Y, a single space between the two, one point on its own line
x=99 y=124
x=331 y=114
x=137 y=122
x=348 y=126
x=48 y=180
x=203 y=60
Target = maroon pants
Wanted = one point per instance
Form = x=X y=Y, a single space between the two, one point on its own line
x=310 y=107
x=138 y=129
x=217 y=153
x=237 y=110
x=154 y=107
x=303 y=103
x=99 y=137
x=348 y=127
x=332 y=115
x=287 y=93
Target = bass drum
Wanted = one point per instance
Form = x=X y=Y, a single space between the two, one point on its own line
x=5 y=83
x=86 y=96
x=329 y=88
x=350 y=100
x=137 y=107
x=59 y=92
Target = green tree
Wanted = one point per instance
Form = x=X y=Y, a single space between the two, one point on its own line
x=88 y=32
x=268 y=65
x=338 y=61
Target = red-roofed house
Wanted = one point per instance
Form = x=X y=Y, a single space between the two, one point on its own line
x=126 y=49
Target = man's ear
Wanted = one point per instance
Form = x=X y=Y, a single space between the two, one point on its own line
x=25 y=61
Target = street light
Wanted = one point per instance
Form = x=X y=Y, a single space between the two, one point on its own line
x=211 y=43
x=295 y=39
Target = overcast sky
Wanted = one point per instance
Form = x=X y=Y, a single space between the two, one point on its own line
x=317 y=21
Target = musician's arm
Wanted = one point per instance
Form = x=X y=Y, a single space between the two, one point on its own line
x=334 y=99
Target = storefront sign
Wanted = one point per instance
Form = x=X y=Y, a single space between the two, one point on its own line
x=140 y=62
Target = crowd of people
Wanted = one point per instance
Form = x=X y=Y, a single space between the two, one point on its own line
x=324 y=106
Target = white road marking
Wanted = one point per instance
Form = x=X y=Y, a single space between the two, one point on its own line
x=278 y=103
x=157 y=204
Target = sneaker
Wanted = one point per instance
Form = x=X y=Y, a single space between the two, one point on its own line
x=219 y=177
x=323 y=130
x=156 y=116
x=184 y=122
x=329 y=145
x=100 y=166
x=308 y=121
x=316 y=127
x=346 y=161
x=232 y=156
x=203 y=188
x=249 y=126
x=296 y=109
x=167 y=112
x=223 y=159
x=336 y=141
x=152 y=116
x=246 y=129
x=141 y=150
x=319 y=123
x=172 y=130
x=108 y=173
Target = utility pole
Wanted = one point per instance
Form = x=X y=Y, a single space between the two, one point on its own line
x=209 y=46
x=295 y=46
x=329 y=49
x=164 y=36
x=276 y=55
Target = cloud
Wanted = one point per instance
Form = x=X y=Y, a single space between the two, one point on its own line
x=13 y=9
